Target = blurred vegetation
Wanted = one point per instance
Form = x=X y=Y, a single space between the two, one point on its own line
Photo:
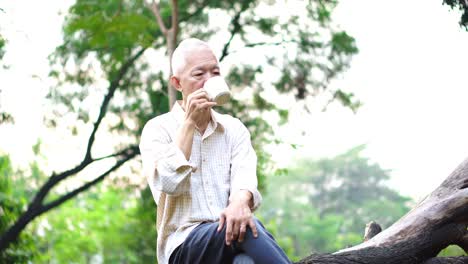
x=332 y=201
x=104 y=224
x=11 y=205
x=324 y=205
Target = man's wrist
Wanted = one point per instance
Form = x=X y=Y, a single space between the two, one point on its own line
x=189 y=124
x=243 y=196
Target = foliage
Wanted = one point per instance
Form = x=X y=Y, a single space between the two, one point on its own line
x=4 y=116
x=105 y=224
x=322 y=206
x=2 y=47
x=11 y=206
x=452 y=251
x=461 y=5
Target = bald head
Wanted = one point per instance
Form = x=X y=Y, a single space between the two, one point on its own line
x=179 y=57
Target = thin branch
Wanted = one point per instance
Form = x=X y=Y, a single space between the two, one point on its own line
x=155 y=9
x=129 y=154
x=236 y=27
x=53 y=180
x=56 y=178
x=372 y=229
x=120 y=153
x=12 y=233
x=105 y=103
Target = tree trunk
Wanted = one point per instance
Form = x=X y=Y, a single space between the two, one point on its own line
x=171 y=45
x=171 y=39
x=438 y=221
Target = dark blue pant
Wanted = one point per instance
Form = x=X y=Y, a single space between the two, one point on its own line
x=205 y=245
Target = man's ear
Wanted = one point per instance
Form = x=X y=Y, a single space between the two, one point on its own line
x=175 y=82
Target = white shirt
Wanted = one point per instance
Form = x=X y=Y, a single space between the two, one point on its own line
x=188 y=193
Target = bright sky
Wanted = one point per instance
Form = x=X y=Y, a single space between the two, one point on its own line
x=409 y=73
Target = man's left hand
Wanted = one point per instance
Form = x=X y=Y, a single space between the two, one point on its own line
x=237 y=216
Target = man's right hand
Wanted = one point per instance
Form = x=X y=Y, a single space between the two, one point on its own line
x=197 y=107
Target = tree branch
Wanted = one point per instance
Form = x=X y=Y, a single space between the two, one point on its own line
x=56 y=178
x=127 y=154
x=372 y=229
x=114 y=84
x=53 y=180
x=36 y=207
x=154 y=7
x=34 y=211
x=236 y=28
x=120 y=153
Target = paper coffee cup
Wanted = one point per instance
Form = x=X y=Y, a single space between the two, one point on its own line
x=218 y=90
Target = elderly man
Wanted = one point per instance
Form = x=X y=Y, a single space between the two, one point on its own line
x=201 y=169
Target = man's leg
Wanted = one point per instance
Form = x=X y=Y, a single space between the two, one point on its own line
x=204 y=245
x=262 y=249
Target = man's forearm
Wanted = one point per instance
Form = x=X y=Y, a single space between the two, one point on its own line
x=184 y=139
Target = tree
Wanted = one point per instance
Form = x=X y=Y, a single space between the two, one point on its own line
x=109 y=43
x=354 y=188
x=332 y=202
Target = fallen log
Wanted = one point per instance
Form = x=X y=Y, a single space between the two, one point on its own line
x=440 y=220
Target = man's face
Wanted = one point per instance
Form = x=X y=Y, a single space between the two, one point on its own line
x=201 y=64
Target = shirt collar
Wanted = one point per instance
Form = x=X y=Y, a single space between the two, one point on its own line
x=179 y=115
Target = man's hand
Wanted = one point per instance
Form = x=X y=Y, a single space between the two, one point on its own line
x=237 y=216
x=196 y=112
x=197 y=106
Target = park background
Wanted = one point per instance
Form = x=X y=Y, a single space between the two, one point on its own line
x=375 y=132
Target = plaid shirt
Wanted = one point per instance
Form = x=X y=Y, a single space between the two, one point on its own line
x=189 y=192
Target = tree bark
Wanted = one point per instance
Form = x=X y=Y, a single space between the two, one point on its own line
x=438 y=221
x=171 y=40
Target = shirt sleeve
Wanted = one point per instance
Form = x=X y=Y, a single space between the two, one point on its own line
x=244 y=165
x=164 y=164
